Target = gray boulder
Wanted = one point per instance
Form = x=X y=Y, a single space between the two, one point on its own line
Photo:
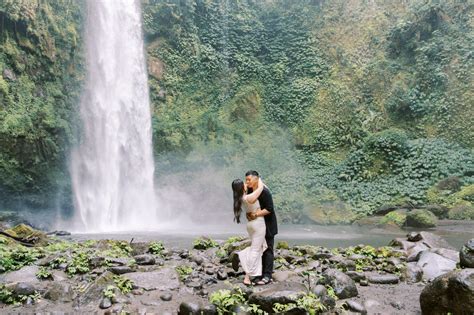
x=452 y=292
x=145 y=259
x=283 y=293
x=164 y=279
x=466 y=255
x=434 y=265
x=343 y=285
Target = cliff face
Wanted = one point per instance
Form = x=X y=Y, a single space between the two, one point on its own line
x=360 y=102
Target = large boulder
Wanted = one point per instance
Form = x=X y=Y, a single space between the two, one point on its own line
x=283 y=293
x=163 y=279
x=25 y=274
x=433 y=241
x=452 y=292
x=343 y=285
x=434 y=265
x=466 y=255
x=27 y=234
x=421 y=218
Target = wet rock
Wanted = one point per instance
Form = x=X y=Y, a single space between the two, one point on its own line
x=320 y=290
x=414 y=237
x=280 y=276
x=209 y=309
x=163 y=279
x=343 y=285
x=356 y=307
x=284 y=293
x=466 y=255
x=434 y=241
x=105 y=303
x=197 y=259
x=413 y=252
x=434 y=265
x=452 y=292
x=189 y=308
x=413 y=273
x=383 y=279
x=28 y=234
x=364 y=282
x=94 y=290
x=166 y=297
x=23 y=288
x=144 y=259
x=119 y=270
x=194 y=285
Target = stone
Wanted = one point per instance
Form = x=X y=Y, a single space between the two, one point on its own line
x=421 y=218
x=119 y=270
x=384 y=209
x=209 y=309
x=189 y=308
x=452 y=292
x=414 y=237
x=413 y=273
x=23 y=288
x=466 y=255
x=413 y=252
x=59 y=292
x=164 y=279
x=434 y=265
x=384 y=279
x=320 y=290
x=344 y=286
x=441 y=212
x=284 y=275
x=364 y=282
x=222 y=275
x=25 y=274
x=166 y=297
x=356 y=307
x=434 y=241
x=283 y=292
x=105 y=303
x=355 y=275
x=145 y=259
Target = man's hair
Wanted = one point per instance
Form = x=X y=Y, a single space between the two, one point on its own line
x=254 y=173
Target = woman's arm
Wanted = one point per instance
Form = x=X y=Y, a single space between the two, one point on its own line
x=253 y=197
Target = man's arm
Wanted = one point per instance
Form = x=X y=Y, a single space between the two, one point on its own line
x=266 y=202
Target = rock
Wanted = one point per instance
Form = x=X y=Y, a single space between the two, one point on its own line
x=434 y=265
x=28 y=234
x=164 y=279
x=105 y=303
x=466 y=255
x=59 y=292
x=209 y=309
x=369 y=304
x=166 y=297
x=94 y=290
x=413 y=273
x=384 y=209
x=413 y=253
x=355 y=275
x=222 y=275
x=446 y=253
x=9 y=75
x=25 y=274
x=144 y=259
x=452 y=292
x=284 y=293
x=343 y=285
x=23 y=288
x=197 y=259
x=119 y=270
x=155 y=67
x=194 y=284
x=364 y=282
x=421 y=218
x=280 y=276
x=356 y=307
x=414 y=237
x=441 y=212
x=383 y=279
x=434 y=241
x=189 y=308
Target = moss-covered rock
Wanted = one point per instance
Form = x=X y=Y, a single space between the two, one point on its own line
x=421 y=218
x=462 y=211
x=330 y=212
x=28 y=234
x=397 y=218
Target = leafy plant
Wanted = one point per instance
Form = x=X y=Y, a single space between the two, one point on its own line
x=204 y=243
x=226 y=300
x=156 y=248
x=183 y=271
x=125 y=285
x=43 y=273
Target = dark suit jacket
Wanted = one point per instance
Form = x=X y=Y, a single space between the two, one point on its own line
x=266 y=202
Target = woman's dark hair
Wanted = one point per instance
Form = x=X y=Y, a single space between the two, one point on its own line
x=238 y=189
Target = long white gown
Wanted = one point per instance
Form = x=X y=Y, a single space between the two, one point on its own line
x=251 y=257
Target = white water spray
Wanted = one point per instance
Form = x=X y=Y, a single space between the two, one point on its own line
x=112 y=168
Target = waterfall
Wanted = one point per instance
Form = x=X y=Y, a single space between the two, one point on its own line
x=112 y=167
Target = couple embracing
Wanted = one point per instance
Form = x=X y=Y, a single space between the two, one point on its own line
x=255 y=199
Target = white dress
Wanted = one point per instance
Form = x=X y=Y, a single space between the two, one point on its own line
x=251 y=257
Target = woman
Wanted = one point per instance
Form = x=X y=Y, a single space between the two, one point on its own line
x=250 y=257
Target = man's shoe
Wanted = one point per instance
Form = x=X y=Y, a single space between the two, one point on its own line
x=234 y=258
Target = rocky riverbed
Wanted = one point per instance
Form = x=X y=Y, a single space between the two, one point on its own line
x=419 y=272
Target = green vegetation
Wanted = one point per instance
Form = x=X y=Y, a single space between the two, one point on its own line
x=125 y=285
x=308 y=302
x=44 y=274
x=204 y=242
x=156 y=248
x=342 y=106
x=183 y=271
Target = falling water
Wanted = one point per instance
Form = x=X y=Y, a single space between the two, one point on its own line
x=112 y=168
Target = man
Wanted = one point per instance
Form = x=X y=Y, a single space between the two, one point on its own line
x=266 y=211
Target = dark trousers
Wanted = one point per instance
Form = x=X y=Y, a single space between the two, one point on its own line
x=268 y=257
